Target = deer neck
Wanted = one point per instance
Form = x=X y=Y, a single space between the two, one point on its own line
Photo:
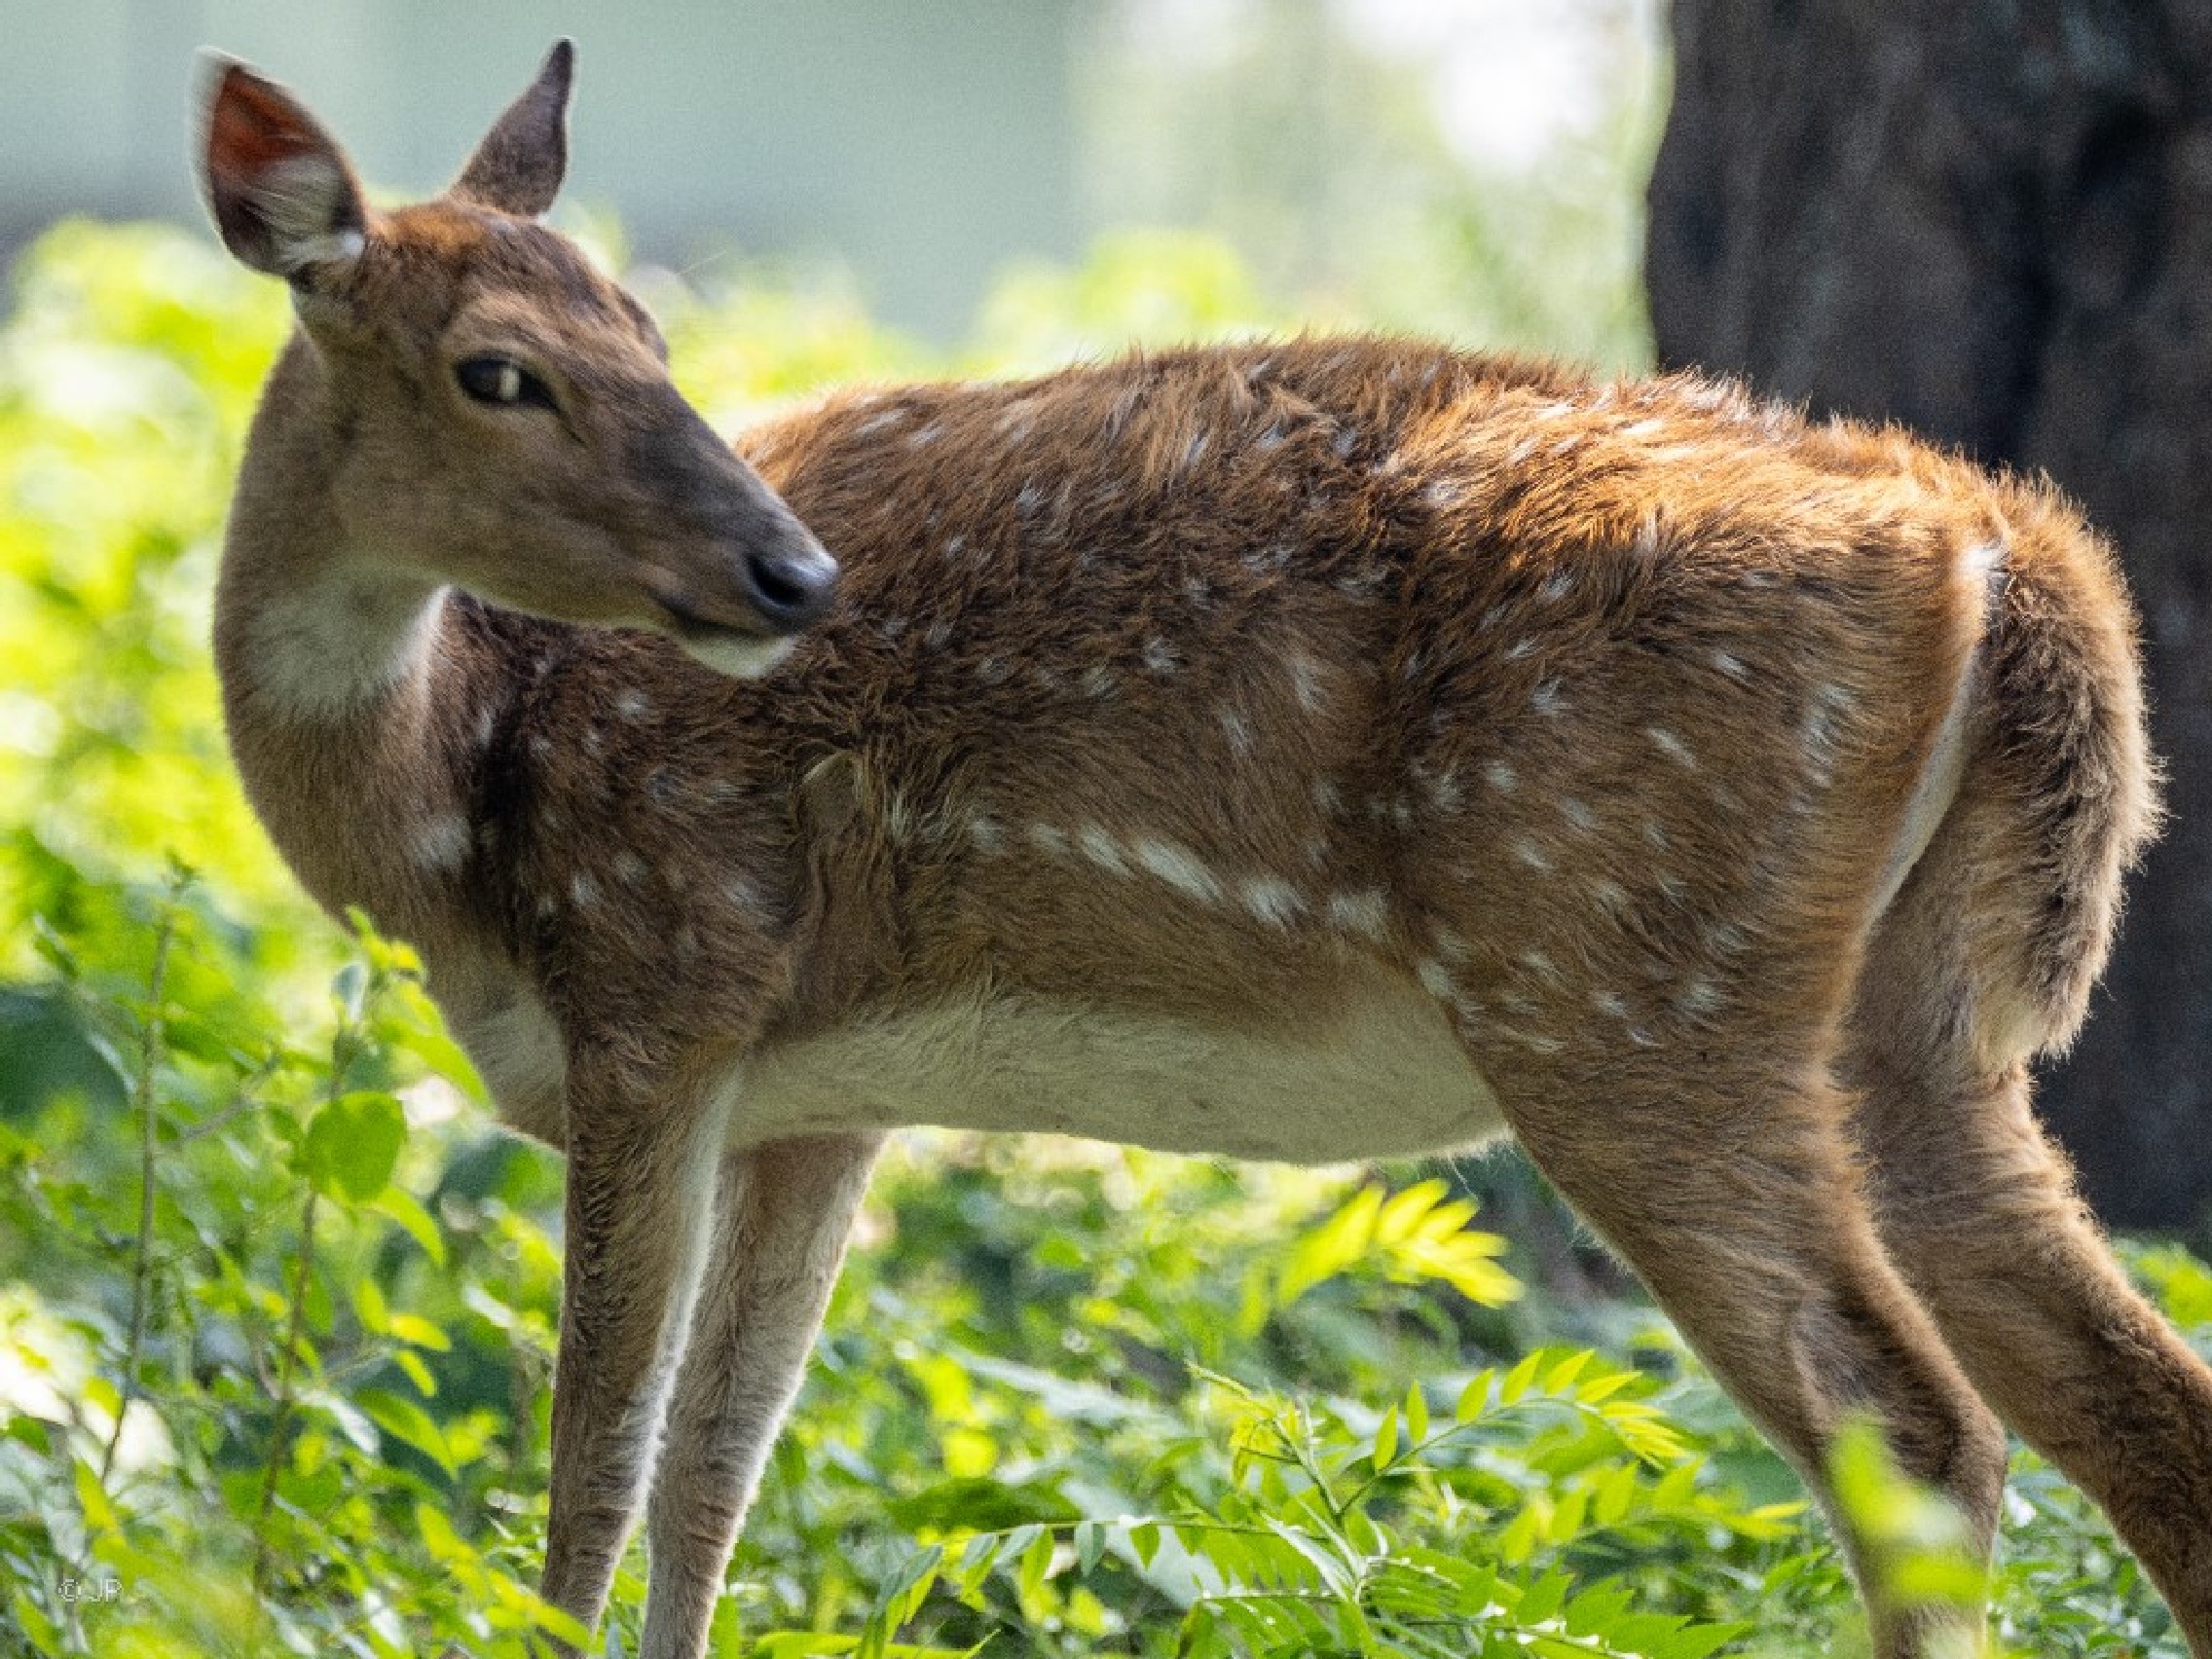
x=337 y=684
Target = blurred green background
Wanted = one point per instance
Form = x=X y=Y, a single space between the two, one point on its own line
x=276 y=1298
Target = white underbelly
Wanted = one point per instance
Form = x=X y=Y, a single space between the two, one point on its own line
x=1385 y=1079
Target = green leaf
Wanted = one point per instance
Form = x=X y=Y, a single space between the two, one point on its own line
x=408 y=1421
x=352 y=1145
x=1543 y=1601
x=1144 y=1538
x=397 y=1205
x=1520 y=1380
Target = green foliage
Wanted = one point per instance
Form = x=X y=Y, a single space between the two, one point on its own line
x=277 y=1302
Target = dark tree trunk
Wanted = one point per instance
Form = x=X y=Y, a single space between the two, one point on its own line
x=1992 y=220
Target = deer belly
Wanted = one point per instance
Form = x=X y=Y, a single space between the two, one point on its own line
x=1384 y=1077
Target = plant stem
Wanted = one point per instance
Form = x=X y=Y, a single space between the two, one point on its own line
x=283 y=1420
x=151 y=1038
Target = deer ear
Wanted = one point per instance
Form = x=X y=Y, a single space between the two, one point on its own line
x=283 y=196
x=517 y=169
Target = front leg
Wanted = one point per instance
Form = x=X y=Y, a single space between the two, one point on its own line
x=783 y=1213
x=641 y=1161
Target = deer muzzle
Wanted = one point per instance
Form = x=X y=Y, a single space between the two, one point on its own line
x=746 y=576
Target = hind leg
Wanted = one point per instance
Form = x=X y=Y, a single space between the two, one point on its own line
x=1979 y=1213
x=1738 y=1203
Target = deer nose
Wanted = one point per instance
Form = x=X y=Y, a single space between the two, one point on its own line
x=790 y=587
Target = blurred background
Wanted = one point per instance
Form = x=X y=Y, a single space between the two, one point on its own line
x=277 y=1300
x=1350 y=147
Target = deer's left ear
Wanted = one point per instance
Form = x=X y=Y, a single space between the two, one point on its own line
x=517 y=169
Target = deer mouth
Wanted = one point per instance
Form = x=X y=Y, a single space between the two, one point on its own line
x=739 y=652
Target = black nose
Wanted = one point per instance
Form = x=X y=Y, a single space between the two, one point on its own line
x=790 y=588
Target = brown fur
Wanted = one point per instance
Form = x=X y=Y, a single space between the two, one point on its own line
x=1746 y=799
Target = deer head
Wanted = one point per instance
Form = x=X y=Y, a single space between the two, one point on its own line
x=476 y=405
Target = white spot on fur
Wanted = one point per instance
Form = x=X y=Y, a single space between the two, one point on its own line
x=1098 y=846
x=1436 y=979
x=898 y=817
x=485 y=722
x=1610 y=1003
x=984 y=835
x=1272 y=900
x=1048 y=838
x=1178 y=866
x=1556 y=588
x=1532 y=855
x=1306 y=682
x=1698 y=997
x=1730 y=665
x=1236 y=729
x=1577 y=814
x=924 y=436
x=1501 y=777
x=1098 y=683
x=1536 y=962
x=1610 y=895
x=1519 y=649
x=992 y=671
x=1328 y=797
x=441 y=846
x=1672 y=745
x=1362 y=912
x=629 y=868
x=633 y=706
x=1159 y=656
x=583 y=892
x=1546 y=698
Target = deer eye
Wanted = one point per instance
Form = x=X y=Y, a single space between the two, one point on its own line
x=502 y=380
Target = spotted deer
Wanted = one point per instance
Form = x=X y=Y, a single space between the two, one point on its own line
x=1314 y=749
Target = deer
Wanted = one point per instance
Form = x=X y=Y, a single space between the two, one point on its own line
x=1312 y=748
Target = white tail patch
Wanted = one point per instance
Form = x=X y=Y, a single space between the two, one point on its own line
x=1939 y=787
